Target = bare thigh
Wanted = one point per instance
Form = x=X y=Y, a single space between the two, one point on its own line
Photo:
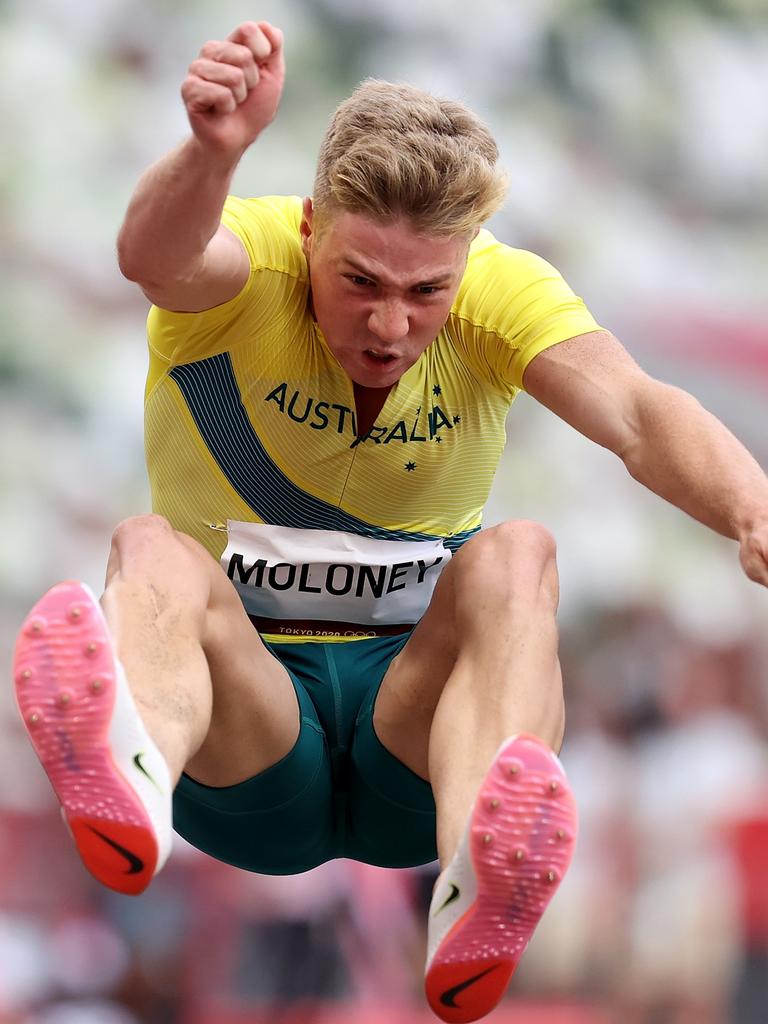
x=198 y=668
x=496 y=599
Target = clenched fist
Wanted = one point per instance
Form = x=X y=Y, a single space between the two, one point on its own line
x=233 y=89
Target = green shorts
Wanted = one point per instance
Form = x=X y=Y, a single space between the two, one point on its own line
x=338 y=793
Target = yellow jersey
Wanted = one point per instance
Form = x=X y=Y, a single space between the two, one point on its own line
x=252 y=445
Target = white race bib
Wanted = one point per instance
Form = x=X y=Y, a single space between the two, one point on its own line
x=328 y=575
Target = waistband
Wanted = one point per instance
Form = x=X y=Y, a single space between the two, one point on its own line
x=317 y=627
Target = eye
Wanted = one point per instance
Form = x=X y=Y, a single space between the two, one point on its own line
x=428 y=289
x=359 y=280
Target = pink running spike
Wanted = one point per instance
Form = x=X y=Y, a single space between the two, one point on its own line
x=491 y=897
x=66 y=692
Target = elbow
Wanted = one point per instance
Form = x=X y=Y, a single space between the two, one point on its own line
x=127 y=259
x=135 y=259
x=651 y=426
x=633 y=438
x=140 y=265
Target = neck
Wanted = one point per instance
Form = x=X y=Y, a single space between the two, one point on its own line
x=368 y=404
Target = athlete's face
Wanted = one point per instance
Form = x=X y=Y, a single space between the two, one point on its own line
x=380 y=292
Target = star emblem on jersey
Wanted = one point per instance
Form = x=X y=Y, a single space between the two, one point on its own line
x=410 y=466
x=437 y=390
x=457 y=419
x=439 y=439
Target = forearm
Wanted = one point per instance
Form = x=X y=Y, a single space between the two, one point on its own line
x=174 y=213
x=686 y=455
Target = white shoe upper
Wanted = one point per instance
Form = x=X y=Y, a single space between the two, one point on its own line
x=455 y=892
x=138 y=758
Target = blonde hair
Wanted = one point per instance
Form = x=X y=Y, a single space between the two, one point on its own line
x=395 y=151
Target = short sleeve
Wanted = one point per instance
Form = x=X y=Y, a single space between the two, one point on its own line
x=269 y=229
x=511 y=306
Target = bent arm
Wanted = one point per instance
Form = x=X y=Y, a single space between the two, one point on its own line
x=667 y=441
x=172 y=242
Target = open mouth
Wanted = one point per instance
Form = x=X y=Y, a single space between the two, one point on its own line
x=382 y=358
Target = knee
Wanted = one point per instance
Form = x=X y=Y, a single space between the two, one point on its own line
x=148 y=552
x=147 y=546
x=517 y=536
x=516 y=562
x=141 y=532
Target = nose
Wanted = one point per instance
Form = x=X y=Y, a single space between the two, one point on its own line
x=389 y=321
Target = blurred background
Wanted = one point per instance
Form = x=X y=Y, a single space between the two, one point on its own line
x=636 y=136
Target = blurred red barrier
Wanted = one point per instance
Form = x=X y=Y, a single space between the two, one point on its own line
x=749 y=848
x=355 y=1013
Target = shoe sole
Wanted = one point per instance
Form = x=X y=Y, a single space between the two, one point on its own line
x=66 y=682
x=522 y=837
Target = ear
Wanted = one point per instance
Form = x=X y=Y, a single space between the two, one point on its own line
x=306 y=226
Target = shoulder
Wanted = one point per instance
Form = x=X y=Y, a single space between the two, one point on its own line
x=496 y=278
x=511 y=305
x=268 y=226
x=276 y=288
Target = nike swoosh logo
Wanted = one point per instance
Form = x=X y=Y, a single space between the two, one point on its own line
x=135 y=864
x=143 y=770
x=448 y=998
x=454 y=896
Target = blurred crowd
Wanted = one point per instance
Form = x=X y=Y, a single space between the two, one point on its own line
x=636 y=137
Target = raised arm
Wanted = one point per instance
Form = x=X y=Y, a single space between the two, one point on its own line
x=172 y=242
x=665 y=438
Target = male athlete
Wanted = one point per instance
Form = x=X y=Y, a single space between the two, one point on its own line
x=311 y=644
